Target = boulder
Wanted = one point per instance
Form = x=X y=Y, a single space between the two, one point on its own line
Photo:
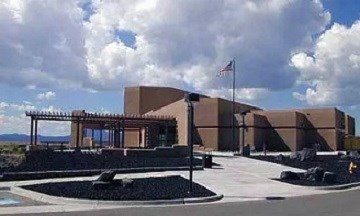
x=127 y=183
x=314 y=174
x=288 y=175
x=329 y=177
x=345 y=157
x=294 y=155
x=354 y=155
x=107 y=176
x=307 y=154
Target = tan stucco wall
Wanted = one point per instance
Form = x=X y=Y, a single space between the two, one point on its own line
x=320 y=118
x=349 y=125
x=282 y=119
x=143 y=99
x=73 y=129
x=330 y=138
x=131 y=138
x=206 y=112
x=74 y=134
x=178 y=110
x=209 y=138
x=304 y=127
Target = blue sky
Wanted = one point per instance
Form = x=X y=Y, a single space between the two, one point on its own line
x=66 y=55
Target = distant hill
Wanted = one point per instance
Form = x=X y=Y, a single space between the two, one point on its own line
x=26 y=138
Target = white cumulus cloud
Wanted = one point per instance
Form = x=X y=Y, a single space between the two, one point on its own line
x=185 y=43
x=21 y=124
x=112 y=44
x=50 y=95
x=16 y=107
x=332 y=72
x=51 y=108
x=242 y=94
x=42 y=44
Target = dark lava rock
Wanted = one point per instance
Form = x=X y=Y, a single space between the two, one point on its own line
x=329 y=177
x=294 y=155
x=157 y=188
x=354 y=155
x=307 y=154
x=314 y=174
x=330 y=163
x=345 y=157
x=100 y=185
x=288 y=175
x=106 y=176
x=127 y=183
x=279 y=157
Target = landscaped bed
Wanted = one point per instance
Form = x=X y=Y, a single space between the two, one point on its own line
x=329 y=163
x=157 y=188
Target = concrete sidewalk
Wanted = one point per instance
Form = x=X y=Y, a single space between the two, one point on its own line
x=237 y=178
x=245 y=179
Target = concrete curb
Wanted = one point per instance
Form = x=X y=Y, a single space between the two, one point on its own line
x=337 y=187
x=63 y=200
x=330 y=187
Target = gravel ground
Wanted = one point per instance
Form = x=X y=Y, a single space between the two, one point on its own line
x=143 y=189
x=52 y=161
x=330 y=163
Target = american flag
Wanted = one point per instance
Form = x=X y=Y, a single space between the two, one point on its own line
x=227 y=68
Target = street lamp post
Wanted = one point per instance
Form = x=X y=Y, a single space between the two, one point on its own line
x=189 y=99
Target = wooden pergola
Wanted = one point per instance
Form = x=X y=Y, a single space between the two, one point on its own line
x=115 y=123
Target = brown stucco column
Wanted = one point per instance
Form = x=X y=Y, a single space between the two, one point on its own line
x=140 y=136
x=77 y=132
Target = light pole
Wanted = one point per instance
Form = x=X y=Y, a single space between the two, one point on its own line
x=189 y=99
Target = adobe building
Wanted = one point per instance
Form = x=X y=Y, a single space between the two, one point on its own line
x=280 y=130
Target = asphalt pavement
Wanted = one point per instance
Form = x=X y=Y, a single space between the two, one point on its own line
x=333 y=204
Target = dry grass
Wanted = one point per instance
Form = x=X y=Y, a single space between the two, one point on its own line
x=12 y=148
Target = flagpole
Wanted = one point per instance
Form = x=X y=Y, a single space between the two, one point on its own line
x=233 y=107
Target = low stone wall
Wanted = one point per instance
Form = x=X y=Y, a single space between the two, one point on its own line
x=86 y=160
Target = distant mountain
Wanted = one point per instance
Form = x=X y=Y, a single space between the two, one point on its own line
x=26 y=138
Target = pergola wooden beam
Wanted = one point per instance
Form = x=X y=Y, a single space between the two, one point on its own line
x=114 y=122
